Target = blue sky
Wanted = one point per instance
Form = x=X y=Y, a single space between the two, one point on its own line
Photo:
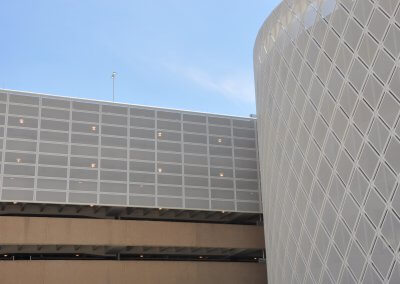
x=193 y=55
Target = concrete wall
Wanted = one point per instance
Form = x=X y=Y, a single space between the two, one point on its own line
x=124 y=272
x=72 y=231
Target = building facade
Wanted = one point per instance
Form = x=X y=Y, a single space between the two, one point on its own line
x=91 y=162
x=328 y=101
x=59 y=150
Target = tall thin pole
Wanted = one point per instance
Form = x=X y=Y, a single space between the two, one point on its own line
x=113 y=75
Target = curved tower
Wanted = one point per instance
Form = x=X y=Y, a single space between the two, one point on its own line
x=328 y=100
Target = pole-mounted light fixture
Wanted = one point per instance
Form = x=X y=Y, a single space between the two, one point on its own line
x=113 y=76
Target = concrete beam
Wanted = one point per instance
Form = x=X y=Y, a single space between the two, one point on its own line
x=74 y=231
x=124 y=272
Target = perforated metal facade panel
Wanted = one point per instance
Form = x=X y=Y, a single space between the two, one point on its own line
x=328 y=101
x=73 y=151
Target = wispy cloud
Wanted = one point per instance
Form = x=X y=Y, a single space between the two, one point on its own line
x=237 y=87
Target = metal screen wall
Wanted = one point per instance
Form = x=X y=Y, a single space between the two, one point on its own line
x=328 y=103
x=64 y=150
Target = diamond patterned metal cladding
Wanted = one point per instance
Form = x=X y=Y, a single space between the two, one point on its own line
x=328 y=100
